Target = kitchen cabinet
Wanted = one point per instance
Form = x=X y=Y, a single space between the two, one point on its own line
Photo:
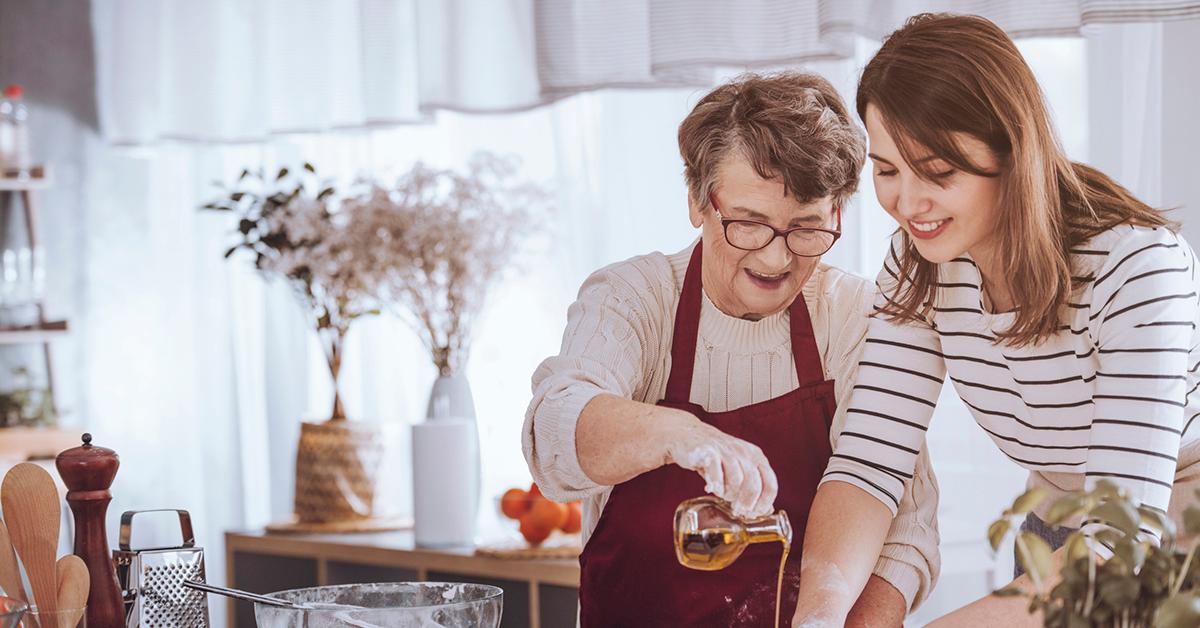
x=538 y=593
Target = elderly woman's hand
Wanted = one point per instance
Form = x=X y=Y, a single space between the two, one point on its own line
x=733 y=469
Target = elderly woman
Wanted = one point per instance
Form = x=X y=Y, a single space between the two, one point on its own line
x=721 y=369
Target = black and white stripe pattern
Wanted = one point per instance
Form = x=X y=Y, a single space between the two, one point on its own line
x=1111 y=396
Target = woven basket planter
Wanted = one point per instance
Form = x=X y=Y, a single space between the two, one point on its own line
x=337 y=468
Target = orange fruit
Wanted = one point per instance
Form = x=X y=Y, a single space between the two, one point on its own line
x=574 y=518
x=534 y=530
x=547 y=513
x=514 y=503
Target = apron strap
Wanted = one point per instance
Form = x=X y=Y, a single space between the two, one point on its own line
x=687 y=329
x=804 y=344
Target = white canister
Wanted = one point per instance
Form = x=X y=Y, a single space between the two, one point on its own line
x=445 y=455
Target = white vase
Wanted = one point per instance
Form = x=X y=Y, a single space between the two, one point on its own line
x=446 y=473
x=451 y=398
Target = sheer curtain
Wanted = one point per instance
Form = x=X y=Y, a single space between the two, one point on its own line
x=204 y=371
x=230 y=70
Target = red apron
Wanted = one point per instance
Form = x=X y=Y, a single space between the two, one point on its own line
x=629 y=573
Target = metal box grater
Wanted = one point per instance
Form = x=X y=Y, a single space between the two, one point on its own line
x=152 y=579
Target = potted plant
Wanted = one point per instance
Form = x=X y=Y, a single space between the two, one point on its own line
x=1141 y=585
x=296 y=230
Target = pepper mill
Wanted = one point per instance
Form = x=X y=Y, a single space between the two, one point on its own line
x=88 y=472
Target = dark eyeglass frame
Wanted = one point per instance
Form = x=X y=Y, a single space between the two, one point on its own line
x=784 y=233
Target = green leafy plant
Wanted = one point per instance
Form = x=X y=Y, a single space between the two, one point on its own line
x=296 y=229
x=1142 y=585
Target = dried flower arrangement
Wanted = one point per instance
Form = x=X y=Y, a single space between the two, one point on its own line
x=296 y=231
x=1142 y=585
x=431 y=246
x=444 y=238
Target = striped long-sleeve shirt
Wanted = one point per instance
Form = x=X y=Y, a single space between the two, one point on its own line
x=1113 y=395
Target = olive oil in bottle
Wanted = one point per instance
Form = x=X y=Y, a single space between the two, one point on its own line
x=709 y=537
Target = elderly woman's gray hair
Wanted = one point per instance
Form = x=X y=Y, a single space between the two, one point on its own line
x=790 y=125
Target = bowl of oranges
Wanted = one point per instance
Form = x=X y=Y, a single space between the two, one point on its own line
x=539 y=518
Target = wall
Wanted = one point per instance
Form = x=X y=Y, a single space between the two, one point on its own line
x=1181 y=120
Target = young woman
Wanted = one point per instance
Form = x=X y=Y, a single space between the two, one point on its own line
x=1063 y=309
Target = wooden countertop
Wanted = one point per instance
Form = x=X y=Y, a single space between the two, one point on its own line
x=398 y=549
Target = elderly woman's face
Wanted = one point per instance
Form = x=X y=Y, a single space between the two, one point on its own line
x=755 y=284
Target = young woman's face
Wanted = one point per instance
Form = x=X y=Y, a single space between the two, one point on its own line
x=954 y=214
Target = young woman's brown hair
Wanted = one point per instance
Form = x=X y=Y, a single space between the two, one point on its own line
x=943 y=74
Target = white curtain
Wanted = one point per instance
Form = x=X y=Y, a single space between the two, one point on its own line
x=202 y=369
x=241 y=70
x=1143 y=128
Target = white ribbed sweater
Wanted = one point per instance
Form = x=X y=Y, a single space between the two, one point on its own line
x=618 y=341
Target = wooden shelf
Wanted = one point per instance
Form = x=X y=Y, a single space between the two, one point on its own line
x=23 y=184
x=34 y=334
x=38 y=178
x=18 y=444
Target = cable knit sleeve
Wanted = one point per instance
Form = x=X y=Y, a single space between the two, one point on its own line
x=910 y=560
x=609 y=346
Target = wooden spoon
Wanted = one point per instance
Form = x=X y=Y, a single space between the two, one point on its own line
x=31 y=507
x=10 y=573
x=73 y=586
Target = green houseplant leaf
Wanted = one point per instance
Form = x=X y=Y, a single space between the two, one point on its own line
x=1034 y=555
x=1157 y=520
x=1120 y=514
x=1180 y=611
x=997 y=531
x=1191 y=521
x=1142 y=584
x=1028 y=500
x=1064 y=509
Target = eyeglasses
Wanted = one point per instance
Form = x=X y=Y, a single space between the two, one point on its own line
x=751 y=235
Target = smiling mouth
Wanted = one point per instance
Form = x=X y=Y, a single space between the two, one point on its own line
x=766 y=280
x=926 y=226
x=929 y=229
